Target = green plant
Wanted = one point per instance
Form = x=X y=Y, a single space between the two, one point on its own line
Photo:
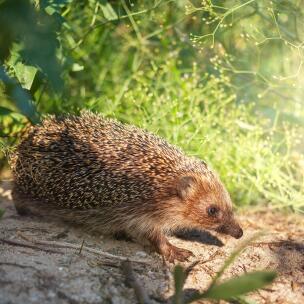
x=201 y=114
x=28 y=50
x=227 y=290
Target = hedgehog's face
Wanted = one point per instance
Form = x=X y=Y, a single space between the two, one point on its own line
x=208 y=204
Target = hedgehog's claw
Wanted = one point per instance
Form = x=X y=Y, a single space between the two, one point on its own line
x=167 y=250
x=174 y=253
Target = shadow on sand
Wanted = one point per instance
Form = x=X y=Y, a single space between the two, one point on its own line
x=203 y=237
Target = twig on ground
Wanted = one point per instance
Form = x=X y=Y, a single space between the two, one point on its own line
x=80 y=249
x=190 y=268
x=268 y=289
x=104 y=263
x=209 y=271
x=280 y=243
x=18 y=265
x=131 y=281
x=244 y=268
x=109 y=263
x=266 y=300
x=77 y=247
x=22 y=244
x=211 y=258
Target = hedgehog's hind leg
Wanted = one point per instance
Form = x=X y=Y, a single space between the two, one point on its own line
x=122 y=235
x=21 y=201
x=170 y=252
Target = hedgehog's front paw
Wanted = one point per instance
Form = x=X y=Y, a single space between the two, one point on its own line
x=167 y=250
x=172 y=253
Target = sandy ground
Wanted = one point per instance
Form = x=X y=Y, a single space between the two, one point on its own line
x=45 y=274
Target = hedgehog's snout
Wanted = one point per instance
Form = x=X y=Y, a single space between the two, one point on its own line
x=231 y=228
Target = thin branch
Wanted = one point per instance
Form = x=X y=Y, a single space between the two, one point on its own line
x=77 y=247
x=18 y=265
x=99 y=24
x=26 y=245
x=131 y=281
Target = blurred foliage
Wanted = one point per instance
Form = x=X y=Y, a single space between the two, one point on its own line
x=222 y=79
x=231 y=290
x=28 y=42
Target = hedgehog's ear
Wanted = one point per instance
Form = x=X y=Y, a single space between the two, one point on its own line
x=185 y=186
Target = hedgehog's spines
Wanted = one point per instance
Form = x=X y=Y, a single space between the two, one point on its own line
x=91 y=162
x=110 y=176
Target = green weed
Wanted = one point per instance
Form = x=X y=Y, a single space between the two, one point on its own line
x=231 y=289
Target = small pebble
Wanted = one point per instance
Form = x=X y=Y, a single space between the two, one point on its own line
x=141 y=254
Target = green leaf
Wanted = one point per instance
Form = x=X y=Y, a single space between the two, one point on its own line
x=241 y=285
x=37 y=34
x=243 y=300
x=5 y=111
x=20 y=97
x=237 y=286
x=25 y=74
x=77 y=67
x=232 y=257
x=40 y=46
x=7 y=33
x=179 y=281
x=55 y=4
x=108 y=10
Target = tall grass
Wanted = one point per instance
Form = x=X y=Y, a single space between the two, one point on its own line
x=201 y=114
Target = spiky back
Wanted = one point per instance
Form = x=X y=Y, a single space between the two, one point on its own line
x=89 y=162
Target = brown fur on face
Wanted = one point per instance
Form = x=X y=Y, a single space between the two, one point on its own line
x=207 y=204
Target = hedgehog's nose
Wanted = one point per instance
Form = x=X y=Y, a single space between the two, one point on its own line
x=239 y=234
x=236 y=231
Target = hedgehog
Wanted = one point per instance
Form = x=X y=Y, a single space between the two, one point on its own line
x=116 y=178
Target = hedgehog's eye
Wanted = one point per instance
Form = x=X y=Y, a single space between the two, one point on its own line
x=212 y=211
